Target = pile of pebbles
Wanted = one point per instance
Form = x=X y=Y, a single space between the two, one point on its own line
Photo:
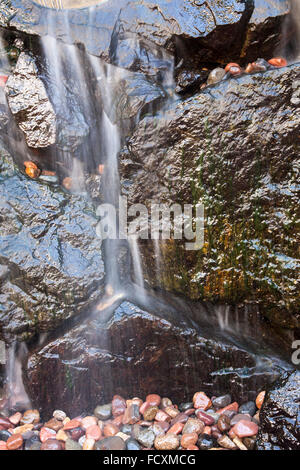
x=203 y=424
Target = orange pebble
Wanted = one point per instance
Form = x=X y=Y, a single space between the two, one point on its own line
x=32 y=172
x=3 y=445
x=260 y=399
x=93 y=432
x=278 y=62
x=3 y=80
x=72 y=424
x=29 y=164
x=232 y=407
x=192 y=448
x=207 y=430
x=176 y=428
x=101 y=169
x=67 y=182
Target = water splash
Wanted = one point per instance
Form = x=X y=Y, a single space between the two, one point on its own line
x=16 y=394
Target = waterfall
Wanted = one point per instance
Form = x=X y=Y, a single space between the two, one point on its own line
x=290 y=43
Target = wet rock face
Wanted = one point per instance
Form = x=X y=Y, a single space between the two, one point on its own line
x=30 y=104
x=136 y=352
x=217 y=29
x=280 y=415
x=51 y=266
x=232 y=148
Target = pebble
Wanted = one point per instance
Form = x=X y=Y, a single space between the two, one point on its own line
x=192 y=448
x=62 y=435
x=207 y=419
x=47 y=433
x=201 y=400
x=232 y=407
x=88 y=444
x=132 y=444
x=131 y=415
x=171 y=411
x=88 y=421
x=33 y=443
x=181 y=418
x=123 y=436
x=249 y=442
x=216 y=75
x=167 y=442
x=126 y=428
x=3 y=445
x=93 y=432
x=206 y=442
x=239 y=444
x=111 y=443
x=193 y=425
x=153 y=400
x=176 y=428
x=162 y=416
x=165 y=402
x=238 y=418
x=103 y=412
x=72 y=445
x=118 y=405
x=224 y=423
x=4 y=435
x=185 y=406
x=146 y=437
x=54 y=424
x=16 y=418
x=14 y=442
x=158 y=431
x=245 y=429
x=221 y=402
x=150 y=413
x=23 y=429
x=59 y=415
x=5 y=423
x=110 y=429
x=52 y=444
x=73 y=423
x=227 y=443
x=189 y=439
x=260 y=399
x=3 y=80
x=76 y=433
x=248 y=408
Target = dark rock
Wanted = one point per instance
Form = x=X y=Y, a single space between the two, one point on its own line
x=72 y=445
x=223 y=423
x=33 y=443
x=4 y=435
x=132 y=444
x=188 y=155
x=221 y=402
x=30 y=104
x=185 y=406
x=279 y=415
x=249 y=442
x=137 y=363
x=51 y=254
x=248 y=408
x=206 y=442
x=126 y=428
x=76 y=433
x=111 y=443
x=188 y=81
x=103 y=412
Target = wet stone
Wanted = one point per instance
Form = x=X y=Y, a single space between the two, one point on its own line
x=33 y=443
x=111 y=443
x=153 y=399
x=126 y=428
x=227 y=443
x=150 y=413
x=146 y=437
x=165 y=402
x=223 y=423
x=72 y=445
x=239 y=417
x=206 y=442
x=201 y=400
x=54 y=424
x=221 y=402
x=103 y=412
x=59 y=415
x=249 y=442
x=132 y=444
x=52 y=444
x=167 y=442
x=30 y=417
x=131 y=415
x=118 y=405
x=245 y=429
x=4 y=435
x=14 y=442
x=185 y=406
x=5 y=423
x=207 y=419
x=193 y=425
x=248 y=408
x=76 y=433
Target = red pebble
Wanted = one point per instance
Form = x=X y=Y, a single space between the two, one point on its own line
x=207 y=419
x=278 y=62
x=189 y=439
x=3 y=445
x=47 y=433
x=245 y=429
x=5 y=423
x=118 y=405
x=192 y=448
x=207 y=430
x=153 y=400
x=144 y=407
x=16 y=418
x=14 y=442
x=232 y=407
x=162 y=416
x=201 y=401
x=74 y=423
x=93 y=432
x=260 y=399
x=176 y=428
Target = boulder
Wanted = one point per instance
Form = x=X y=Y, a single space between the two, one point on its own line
x=30 y=104
x=280 y=415
x=232 y=149
x=51 y=266
x=134 y=352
